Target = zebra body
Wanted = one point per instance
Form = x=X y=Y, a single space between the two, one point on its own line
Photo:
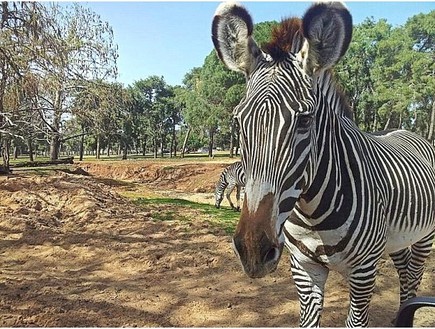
x=383 y=175
x=337 y=197
x=231 y=177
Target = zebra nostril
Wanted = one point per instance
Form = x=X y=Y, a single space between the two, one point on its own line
x=271 y=256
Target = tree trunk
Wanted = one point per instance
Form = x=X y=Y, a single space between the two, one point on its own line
x=108 y=147
x=30 y=147
x=211 y=143
x=388 y=123
x=430 y=135
x=54 y=146
x=173 y=142
x=375 y=122
x=237 y=143
x=15 y=152
x=4 y=169
x=97 y=155
x=82 y=144
x=144 y=145
x=155 y=147
x=124 y=151
x=55 y=129
x=5 y=144
x=185 y=142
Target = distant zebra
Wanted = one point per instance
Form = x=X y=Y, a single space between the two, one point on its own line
x=232 y=177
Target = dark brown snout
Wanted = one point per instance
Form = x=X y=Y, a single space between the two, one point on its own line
x=256 y=241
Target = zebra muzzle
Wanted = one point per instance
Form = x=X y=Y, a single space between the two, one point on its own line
x=255 y=241
x=259 y=261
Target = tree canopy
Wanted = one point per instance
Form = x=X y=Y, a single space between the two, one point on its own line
x=58 y=90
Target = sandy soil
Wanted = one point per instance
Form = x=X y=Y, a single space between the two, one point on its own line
x=76 y=251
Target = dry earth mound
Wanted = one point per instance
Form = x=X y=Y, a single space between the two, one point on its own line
x=74 y=251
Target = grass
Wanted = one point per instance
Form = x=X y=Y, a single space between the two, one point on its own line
x=223 y=218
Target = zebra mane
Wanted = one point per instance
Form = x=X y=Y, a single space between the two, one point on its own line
x=286 y=37
x=333 y=92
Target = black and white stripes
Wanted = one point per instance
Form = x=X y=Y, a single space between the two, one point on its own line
x=231 y=177
x=338 y=198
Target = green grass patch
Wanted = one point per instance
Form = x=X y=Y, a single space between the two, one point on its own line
x=223 y=218
x=168 y=215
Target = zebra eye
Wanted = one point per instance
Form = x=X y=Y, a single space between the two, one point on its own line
x=304 y=121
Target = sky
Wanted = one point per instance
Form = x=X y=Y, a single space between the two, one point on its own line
x=169 y=39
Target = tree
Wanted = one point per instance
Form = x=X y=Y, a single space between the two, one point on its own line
x=20 y=27
x=101 y=109
x=76 y=46
x=153 y=101
x=388 y=74
x=355 y=71
x=213 y=91
x=175 y=106
x=205 y=99
x=392 y=74
x=421 y=31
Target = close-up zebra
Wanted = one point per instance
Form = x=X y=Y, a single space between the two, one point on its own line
x=232 y=177
x=336 y=197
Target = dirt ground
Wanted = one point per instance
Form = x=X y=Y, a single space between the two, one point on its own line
x=76 y=251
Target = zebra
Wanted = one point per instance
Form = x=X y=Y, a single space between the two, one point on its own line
x=231 y=177
x=336 y=197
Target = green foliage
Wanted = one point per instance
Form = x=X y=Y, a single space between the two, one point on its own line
x=212 y=95
x=57 y=63
x=262 y=32
x=156 y=110
x=388 y=74
x=212 y=92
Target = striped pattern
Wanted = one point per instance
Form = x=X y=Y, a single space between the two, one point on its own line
x=231 y=177
x=337 y=197
x=344 y=197
x=273 y=114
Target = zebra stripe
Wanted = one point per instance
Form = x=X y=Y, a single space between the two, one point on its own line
x=231 y=177
x=370 y=195
x=337 y=197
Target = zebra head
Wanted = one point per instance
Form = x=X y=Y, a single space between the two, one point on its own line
x=277 y=116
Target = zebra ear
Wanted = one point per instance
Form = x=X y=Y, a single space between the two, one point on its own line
x=328 y=29
x=232 y=37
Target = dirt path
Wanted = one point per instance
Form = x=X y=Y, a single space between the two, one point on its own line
x=75 y=251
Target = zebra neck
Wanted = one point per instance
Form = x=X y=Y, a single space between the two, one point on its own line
x=324 y=85
x=328 y=175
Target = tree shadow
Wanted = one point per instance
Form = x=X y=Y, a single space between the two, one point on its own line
x=133 y=270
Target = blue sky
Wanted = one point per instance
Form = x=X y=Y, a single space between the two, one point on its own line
x=170 y=38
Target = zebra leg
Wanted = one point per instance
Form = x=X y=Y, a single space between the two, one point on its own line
x=310 y=281
x=238 y=197
x=419 y=253
x=401 y=260
x=361 y=285
x=230 y=189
